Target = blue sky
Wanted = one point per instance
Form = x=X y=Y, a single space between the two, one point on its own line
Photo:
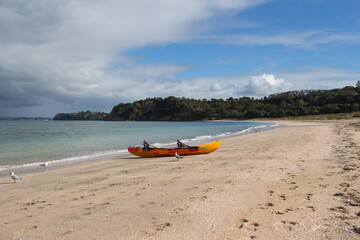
x=78 y=55
x=318 y=19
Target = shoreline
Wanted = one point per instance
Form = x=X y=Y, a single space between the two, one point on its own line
x=295 y=182
x=121 y=153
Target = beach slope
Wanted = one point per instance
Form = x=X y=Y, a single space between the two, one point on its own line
x=294 y=182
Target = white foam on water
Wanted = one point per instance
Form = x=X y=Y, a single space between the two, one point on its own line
x=74 y=158
x=204 y=138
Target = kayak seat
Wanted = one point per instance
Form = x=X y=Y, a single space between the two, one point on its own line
x=193 y=148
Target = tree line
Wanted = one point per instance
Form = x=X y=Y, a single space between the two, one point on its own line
x=286 y=104
x=88 y=115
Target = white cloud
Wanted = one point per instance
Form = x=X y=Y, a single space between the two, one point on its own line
x=306 y=40
x=216 y=87
x=66 y=50
x=266 y=84
x=322 y=78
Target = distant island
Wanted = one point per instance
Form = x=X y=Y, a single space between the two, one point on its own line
x=286 y=104
x=88 y=115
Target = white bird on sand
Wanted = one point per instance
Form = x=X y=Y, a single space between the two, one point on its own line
x=14 y=177
x=45 y=164
x=177 y=156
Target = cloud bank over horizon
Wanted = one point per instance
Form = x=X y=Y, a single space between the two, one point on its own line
x=73 y=55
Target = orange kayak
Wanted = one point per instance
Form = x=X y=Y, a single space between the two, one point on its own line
x=163 y=152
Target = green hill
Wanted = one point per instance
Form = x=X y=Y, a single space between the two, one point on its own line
x=280 y=105
x=287 y=104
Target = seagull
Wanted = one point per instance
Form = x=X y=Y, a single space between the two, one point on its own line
x=45 y=164
x=177 y=156
x=15 y=177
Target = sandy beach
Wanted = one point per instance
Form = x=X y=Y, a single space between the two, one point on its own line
x=295 y=182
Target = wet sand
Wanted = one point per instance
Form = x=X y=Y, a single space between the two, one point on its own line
x=296 y=182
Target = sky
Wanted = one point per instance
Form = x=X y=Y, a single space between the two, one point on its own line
x=78 y=55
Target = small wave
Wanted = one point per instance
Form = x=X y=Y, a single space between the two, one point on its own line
x=201 y=139
x=4 y=167
x=74 y=158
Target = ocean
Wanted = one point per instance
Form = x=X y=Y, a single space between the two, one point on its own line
x=30 y=142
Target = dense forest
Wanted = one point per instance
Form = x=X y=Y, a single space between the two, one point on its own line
x=81 y=116
x=287 y=104
x=293 y=103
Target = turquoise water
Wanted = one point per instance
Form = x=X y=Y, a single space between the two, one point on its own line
x=33 y=141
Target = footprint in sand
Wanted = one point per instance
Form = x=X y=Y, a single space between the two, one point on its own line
x=338 y=194
x=190 y=188
x=146 y=204
x=286 y=224
x=177 y=210
x=339 y=209
x=282 y=211
x=34 y=202
x=293 y=188
x=344 y=184
x=349 y=167
x=354 y=177
x=311 y=208
x=161 y=227
x=66 y=232
x=207 y=189
x=202 y=198
x=115 y=184
x=290 y=175
x=265 y=205
x=282 y=197
x=270 y=192
x=245 y=225
x=308 y=196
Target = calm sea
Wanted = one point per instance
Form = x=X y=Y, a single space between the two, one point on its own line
x=29 y=142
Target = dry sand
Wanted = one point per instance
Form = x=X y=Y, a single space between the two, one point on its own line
x=296 y=182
